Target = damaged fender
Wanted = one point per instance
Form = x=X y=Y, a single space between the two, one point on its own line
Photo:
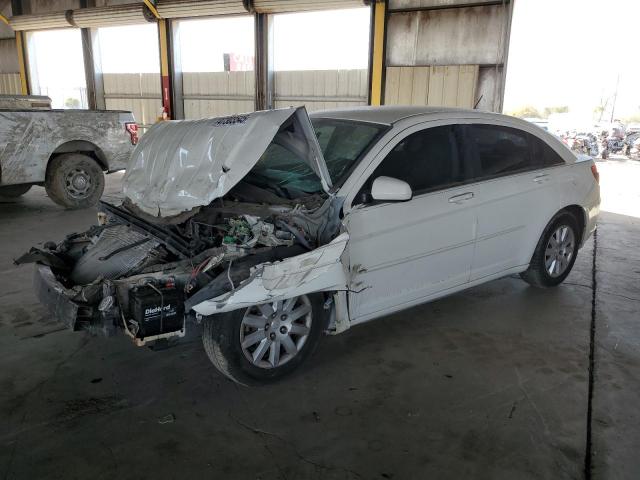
x=319 y=270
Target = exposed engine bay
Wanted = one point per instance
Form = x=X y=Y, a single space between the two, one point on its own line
x=218 y=214
x=143 y=275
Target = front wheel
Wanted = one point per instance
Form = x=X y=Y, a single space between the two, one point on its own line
x=555 y=253
x=263 y=343
x=74 y=181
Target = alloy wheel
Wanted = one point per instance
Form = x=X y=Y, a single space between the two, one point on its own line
x=272 y=334
x=559 y=252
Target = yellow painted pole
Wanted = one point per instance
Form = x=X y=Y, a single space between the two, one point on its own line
x=152 y=8
x=377 y=63
x=22 y=64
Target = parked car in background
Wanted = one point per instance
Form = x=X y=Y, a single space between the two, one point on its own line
x=271 y=228
x=633 y=128
x=67 y=151
x=540 y=122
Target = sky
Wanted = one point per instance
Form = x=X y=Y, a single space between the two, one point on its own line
x=570 y=52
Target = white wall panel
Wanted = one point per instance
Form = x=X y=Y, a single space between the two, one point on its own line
x=445 y=86
x=214 y=94
x=10 y=84
x=417 y=4
x=321 y=89
x=136 y=92
x=8 y=56
x=455 y=36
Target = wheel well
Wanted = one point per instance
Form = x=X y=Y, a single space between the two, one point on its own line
x=84 y=147
x=580 y=216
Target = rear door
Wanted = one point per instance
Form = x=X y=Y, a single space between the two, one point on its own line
x=401 y=252
x=516 y=188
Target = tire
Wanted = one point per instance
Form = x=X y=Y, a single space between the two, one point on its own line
x=222 y=339
x=539 y=273
x=74 y=181
x=14 y=191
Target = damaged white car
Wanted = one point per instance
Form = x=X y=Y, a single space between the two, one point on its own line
x=272 y=228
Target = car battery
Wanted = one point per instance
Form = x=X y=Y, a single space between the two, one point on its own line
x=156 y=310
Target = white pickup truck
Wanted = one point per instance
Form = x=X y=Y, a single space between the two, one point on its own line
x=67 y=151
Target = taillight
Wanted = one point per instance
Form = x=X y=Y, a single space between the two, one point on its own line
x=596 y=174
x=132 y=129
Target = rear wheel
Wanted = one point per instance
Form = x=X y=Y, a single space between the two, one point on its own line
x=555 y=253
x=263 y=343
x=74 y=181
x=13 y=191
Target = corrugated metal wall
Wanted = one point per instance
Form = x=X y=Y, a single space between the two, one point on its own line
x=321 y=89
x=444 y=56
x=136 y=92
x=10 y=84
x=214 y=94
x=9 y=76
x=449 y=86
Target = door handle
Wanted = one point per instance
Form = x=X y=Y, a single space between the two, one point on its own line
x=541 y=178
x=463 y=197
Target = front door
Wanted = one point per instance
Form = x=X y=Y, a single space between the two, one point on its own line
x=402 y=252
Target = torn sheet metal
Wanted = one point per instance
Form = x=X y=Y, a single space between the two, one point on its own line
x=315 y=271
x=183 y=164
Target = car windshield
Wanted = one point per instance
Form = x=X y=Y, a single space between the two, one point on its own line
x=288 y=175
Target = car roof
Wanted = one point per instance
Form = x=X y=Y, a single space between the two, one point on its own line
x=390 y=114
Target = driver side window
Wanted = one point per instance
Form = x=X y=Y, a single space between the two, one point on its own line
x=427 y=160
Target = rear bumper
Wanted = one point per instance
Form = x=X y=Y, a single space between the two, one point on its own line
x=58 y=300
x=592 y=211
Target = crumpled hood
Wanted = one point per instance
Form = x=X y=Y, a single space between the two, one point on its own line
x=183 y=164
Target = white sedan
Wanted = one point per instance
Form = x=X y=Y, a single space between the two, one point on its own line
x=273 y=227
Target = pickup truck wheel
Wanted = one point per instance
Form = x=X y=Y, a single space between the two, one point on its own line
x=555 y=253
x=13 y=191
x=263 y=343
x=74 y=181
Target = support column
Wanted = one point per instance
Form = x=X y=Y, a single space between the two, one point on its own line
x=93 y=69
x=165 y=72
x=263 y=62
x=377 y=48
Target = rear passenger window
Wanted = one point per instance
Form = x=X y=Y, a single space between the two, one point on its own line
x=499 y=150
x=426 y=160
x=543 y=153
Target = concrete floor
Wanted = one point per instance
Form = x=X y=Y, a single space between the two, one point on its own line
x=490 y=383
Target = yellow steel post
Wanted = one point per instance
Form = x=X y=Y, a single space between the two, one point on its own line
x=152 y=8
x=377 y=57
x=22 y=64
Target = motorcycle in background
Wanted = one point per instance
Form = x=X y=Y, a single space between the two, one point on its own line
x=610 y=145
x=631 y=142
x=586 y=143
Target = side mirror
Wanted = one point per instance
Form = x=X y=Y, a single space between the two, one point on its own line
x=388 y=188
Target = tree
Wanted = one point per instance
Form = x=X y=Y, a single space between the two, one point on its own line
x=549 y=110
x=526 y=112
x=72 y=103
